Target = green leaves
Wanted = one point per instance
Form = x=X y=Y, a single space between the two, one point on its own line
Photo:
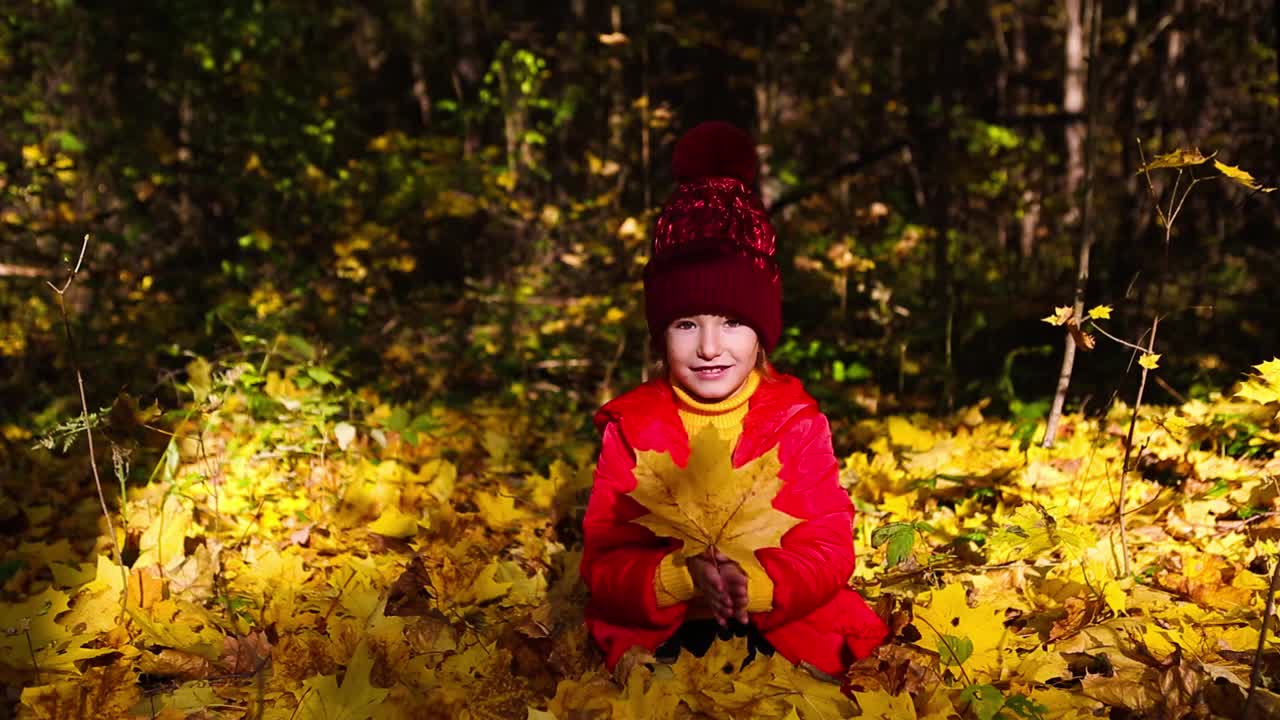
x=988 y=703
x=954 y=650
x=900 y=537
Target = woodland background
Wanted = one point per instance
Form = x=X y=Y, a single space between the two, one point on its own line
x=454 y=196
x=435 y=214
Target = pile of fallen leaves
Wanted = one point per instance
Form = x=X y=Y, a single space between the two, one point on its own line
x=296 y=557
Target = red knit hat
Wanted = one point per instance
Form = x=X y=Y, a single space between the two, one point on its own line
x=713 y=247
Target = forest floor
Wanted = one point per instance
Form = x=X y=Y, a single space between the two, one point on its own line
x=279 y=563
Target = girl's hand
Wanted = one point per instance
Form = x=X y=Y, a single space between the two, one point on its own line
x=723 y=584
x=735 y=586
x=706 y=577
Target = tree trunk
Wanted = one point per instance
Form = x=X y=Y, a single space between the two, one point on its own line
x=1092 y=20
x=1029 y=223
x=469 y=68
x=421 y=91
x=1073 y=94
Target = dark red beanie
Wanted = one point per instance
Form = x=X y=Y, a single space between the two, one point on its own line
x=713 y=246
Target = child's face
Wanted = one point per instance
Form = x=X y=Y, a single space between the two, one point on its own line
x=710 y=356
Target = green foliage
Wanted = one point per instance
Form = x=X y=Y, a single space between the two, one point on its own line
x=988 y=703
x=900 y=538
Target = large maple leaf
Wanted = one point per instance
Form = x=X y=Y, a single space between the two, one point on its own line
x=710 y=503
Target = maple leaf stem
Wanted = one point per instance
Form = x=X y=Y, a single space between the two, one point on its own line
x=301 y=700
x=31 y=649
x=951 y=651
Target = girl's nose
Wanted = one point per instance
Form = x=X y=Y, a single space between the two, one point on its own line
x=709 y=343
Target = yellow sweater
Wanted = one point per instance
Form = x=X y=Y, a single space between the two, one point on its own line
x=672 y=582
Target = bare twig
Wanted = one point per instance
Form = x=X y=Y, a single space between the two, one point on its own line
x=1128 y=450
x=1255 y=678
x=61 y=292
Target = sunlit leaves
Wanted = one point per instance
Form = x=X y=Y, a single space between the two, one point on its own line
x=1060 y=316
x=1263 y=386
x=1240 y=176
x=1150 y=361
x=352 y=698
x=1179 y=158
x=948 y=625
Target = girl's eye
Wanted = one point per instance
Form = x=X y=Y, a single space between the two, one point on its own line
x=732 y=323
x=683 y=325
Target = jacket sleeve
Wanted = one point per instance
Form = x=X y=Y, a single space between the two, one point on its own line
x=816 y=558
x=620 y=558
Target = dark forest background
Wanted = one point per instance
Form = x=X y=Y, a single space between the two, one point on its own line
x=450 y=200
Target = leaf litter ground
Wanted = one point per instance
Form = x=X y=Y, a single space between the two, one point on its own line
x=301 y=568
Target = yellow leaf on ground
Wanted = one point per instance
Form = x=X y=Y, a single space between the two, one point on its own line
x=181 y=626
x=904 y=434
x=1064 y=705
x=355 y=698
x=949 y=617
x=883 y=706
x=709 y=503
x=499 y=511
x=393 y=523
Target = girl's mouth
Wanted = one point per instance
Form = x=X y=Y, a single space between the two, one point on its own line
x=711 y=372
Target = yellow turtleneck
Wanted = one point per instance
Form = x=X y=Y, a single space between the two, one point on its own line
x=672 y=582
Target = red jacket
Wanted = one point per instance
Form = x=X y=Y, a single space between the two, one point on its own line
x=816 y=617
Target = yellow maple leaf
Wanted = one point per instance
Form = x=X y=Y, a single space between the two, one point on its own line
x=1240 y=176
x=1270 y=370
x=1150 y=361
x=1182 y=157
x=182 y=626
x=1060 y=316
x=1264 y=387
x=1257 y=392
x=948 y=619
x=394 y=523
x=880 y=705
x=1031 y=530
x=355 y=699
x=1101 y=312
x=709 y=503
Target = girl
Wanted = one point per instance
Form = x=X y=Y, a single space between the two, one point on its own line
x=713 y=305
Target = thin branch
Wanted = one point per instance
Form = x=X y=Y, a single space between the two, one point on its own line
x=1125 y=343
x=1255 y=678
x=1174 y=215
x=1128 y=450
x=8 y=270
x=84 y=409
x=1155 y=197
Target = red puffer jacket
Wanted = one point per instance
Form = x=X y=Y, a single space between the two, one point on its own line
x=816 y=616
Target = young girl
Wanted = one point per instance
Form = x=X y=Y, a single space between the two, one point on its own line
x=713 y=305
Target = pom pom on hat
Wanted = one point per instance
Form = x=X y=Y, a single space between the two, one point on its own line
x=715 y=149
